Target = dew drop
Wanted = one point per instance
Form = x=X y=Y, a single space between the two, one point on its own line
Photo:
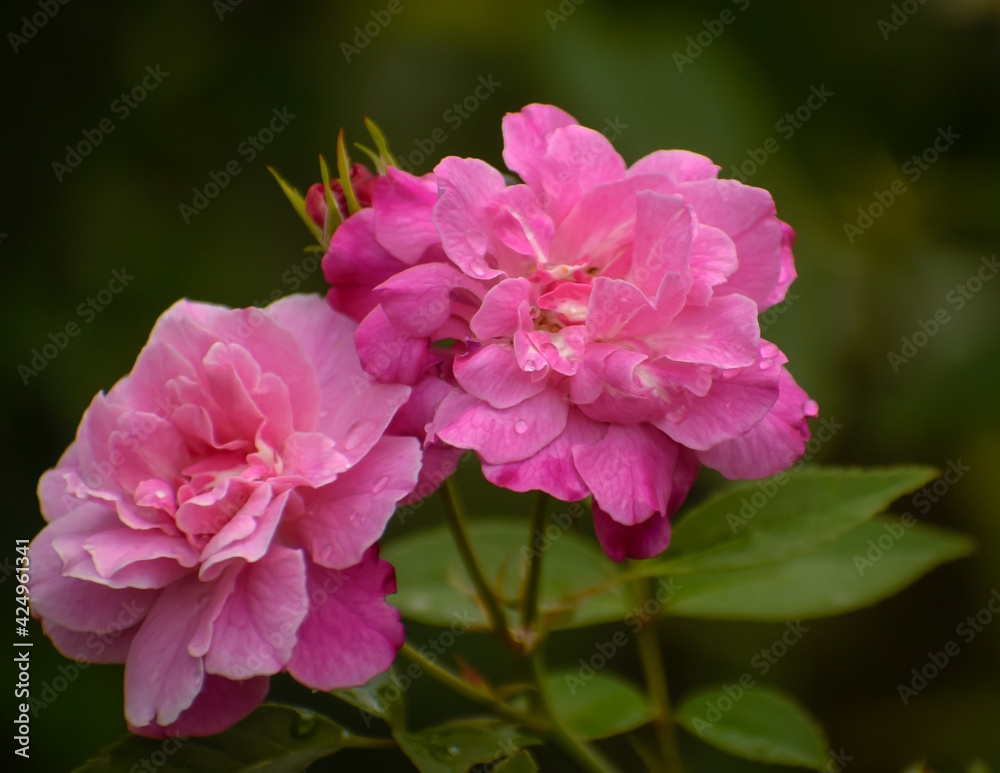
x=327 y=472
x=521 y=426
x=380 y=484
x=810 y=408
x=530 y=366
x=678 y=413
x=453 y=750
x=327 y=554
x=359 y=433
x=766 y=364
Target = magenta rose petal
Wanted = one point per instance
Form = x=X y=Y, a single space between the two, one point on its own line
x=641 y=540
x=220 y=704
x=351 y=633
x=342 y=519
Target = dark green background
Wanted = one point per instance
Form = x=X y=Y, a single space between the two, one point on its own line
x=603 y=62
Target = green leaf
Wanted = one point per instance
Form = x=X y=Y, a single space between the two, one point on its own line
x=332 y=209
x=382 y=144
x=434 y=588
x=380 y=697
x=344 y=170
x=455 y=747
x=299 y=205
x=596 y=705
x=522 y=762
x=759 y=723
x=788 y=515
x=849 y=573
x=273 y=739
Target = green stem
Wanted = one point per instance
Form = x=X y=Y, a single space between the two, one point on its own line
x=547 y=726
x=532 y=583
x=589 y=758
x=480 y=697
x=456 y=523
x=664 y=724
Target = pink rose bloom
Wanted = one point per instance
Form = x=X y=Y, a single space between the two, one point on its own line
x=215 y=520
x=605 y=319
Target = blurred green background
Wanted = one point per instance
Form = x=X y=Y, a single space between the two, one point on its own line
x=643 y=68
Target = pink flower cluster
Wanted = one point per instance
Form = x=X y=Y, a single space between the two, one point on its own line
x=597 y=322
x=215 y=520
x=589 y=331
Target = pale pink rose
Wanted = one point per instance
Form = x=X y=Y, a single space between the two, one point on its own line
x=601 y=319
x=215 y=520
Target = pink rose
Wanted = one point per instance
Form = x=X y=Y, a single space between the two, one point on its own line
x=215 y=520
x=604 y=319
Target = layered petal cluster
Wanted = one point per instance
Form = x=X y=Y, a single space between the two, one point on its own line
x=597 y=321
x=215 y=520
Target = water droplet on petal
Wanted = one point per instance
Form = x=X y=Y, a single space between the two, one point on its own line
x=810 y=408
x=766 y=364
x=453 y=750
x=678 y=413
x=530 y=366
x=327 y=472
x=359 y=433
x=521 y=426
x=380 y=484
x=327 y=554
